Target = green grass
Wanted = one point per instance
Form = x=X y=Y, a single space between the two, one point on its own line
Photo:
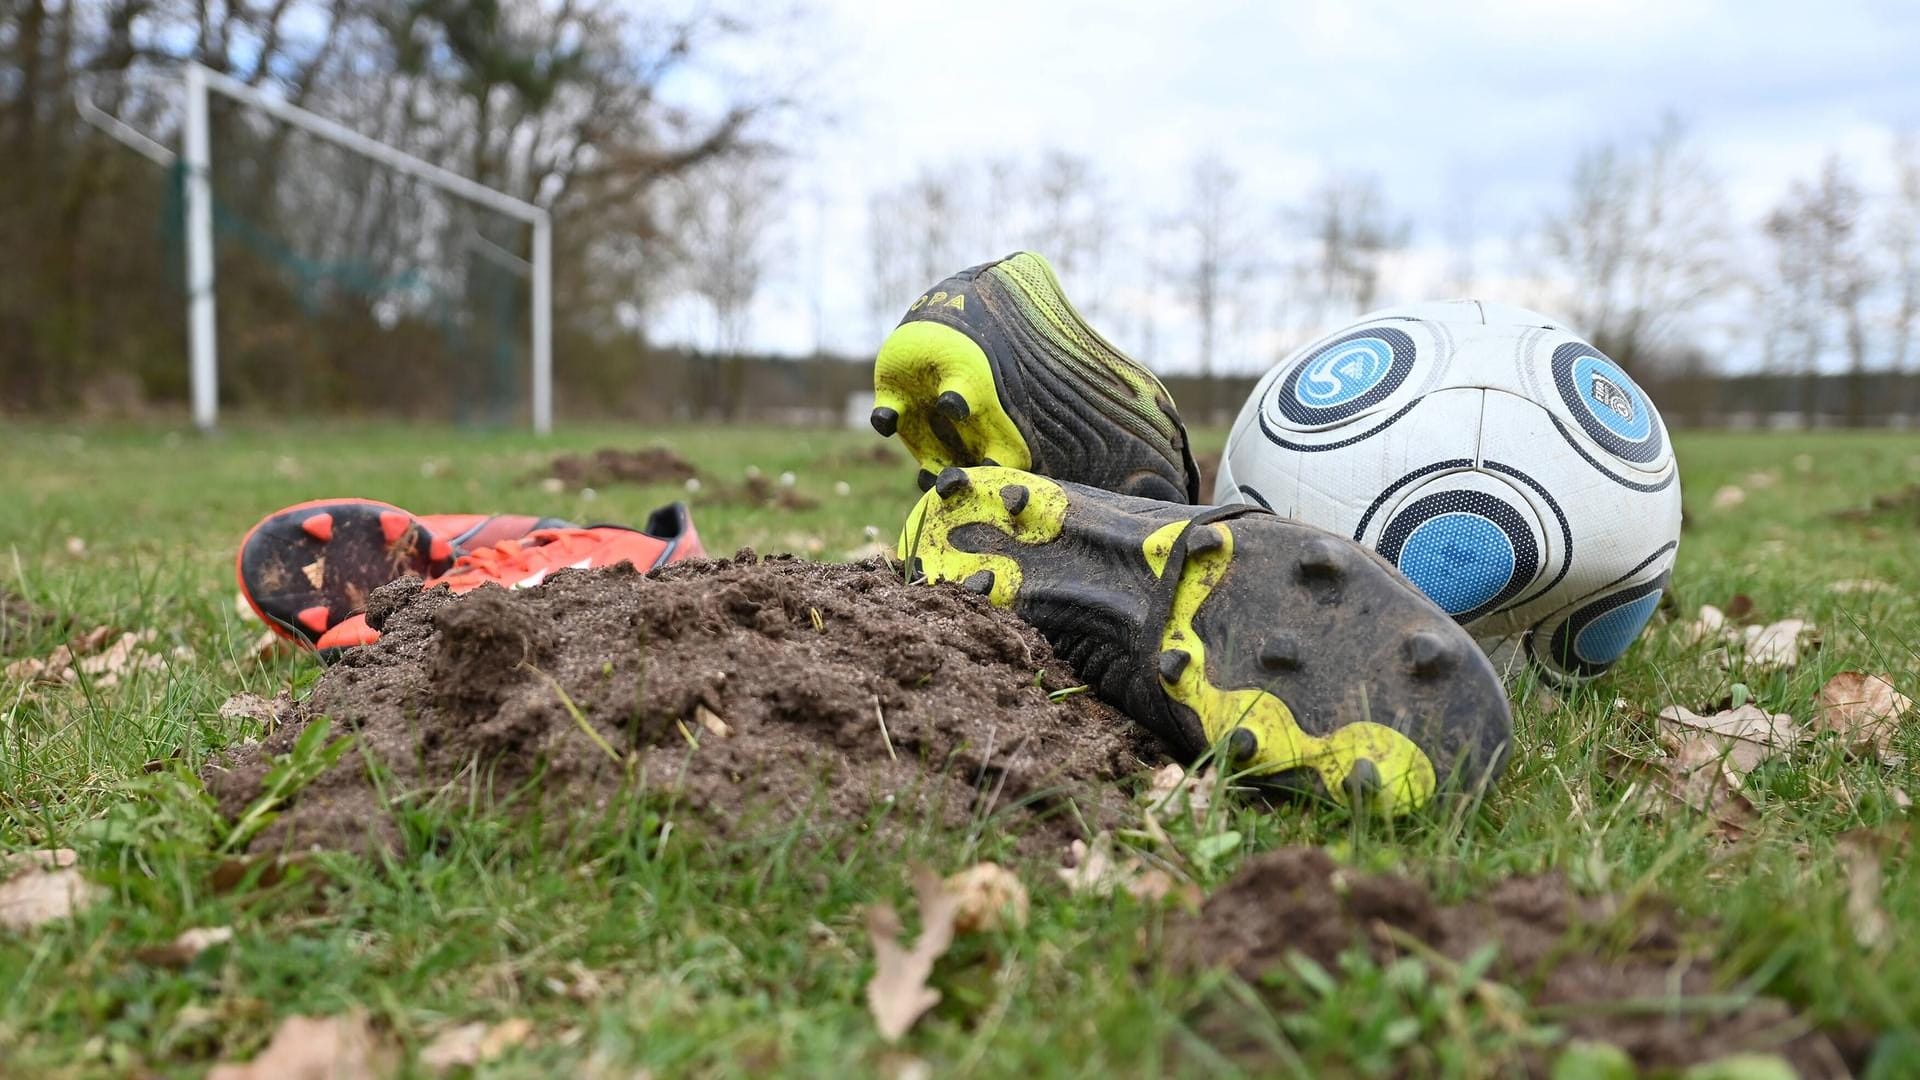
x=688 y=957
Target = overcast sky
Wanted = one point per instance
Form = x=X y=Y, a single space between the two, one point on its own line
x=1488 y=102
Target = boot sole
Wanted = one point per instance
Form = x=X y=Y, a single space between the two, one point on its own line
x=934 y=386
x=1356 y=624
x=305 y=569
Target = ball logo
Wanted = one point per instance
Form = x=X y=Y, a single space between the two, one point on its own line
x=1345 y=377
x=1606 y=404
x=1606 y=393
x=1343 y=373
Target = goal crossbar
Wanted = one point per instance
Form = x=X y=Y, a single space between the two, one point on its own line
x=201 y=81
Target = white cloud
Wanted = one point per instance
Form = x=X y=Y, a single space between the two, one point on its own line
x=1494 y=98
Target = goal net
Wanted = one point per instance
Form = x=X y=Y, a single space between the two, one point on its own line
x=327 y=271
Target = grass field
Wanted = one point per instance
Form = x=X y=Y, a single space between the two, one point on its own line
x=749 y=958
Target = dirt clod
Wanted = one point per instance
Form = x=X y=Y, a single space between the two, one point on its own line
x=611 y=465
x=1589 y=963
x=899 y=705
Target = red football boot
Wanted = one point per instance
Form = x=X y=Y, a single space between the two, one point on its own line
x=307 y=568
x=667 y=537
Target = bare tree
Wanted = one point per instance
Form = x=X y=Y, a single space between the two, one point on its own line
x=1791 y=313
x=1903 y=249
x=1640 y=243
x=1212 y=274
x=726 y=222
x=1351 y=230
x=1829 y=210
x=1071 y=215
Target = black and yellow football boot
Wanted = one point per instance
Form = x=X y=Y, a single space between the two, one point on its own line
x=1309 y=660
x=994 y=367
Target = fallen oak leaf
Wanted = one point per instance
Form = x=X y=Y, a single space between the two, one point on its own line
x=991 y=897
x=898 y=994
x=1695 y=776
x=1864 y=710
x=39 y=887
x=1777 y=644
x=314 y=1048
x=1745 y=736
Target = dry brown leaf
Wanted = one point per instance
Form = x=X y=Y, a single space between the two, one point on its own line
x=314 y=1048
x=1777 y=644
x=124 y=658
x=1864 y=710
x=1746 y=736
x=1172 y=791
x=1860 y=850
x=38 y=887
x=1695 y=776
x=898 y=993
x=78 y=657
x=991 y=897
x=181 y=950
x=1710 y=626
x=472 y=1044
x=1093 y=869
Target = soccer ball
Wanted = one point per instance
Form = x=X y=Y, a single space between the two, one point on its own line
x=1507 y=467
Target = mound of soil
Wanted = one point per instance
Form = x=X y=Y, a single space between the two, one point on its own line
x=871 y=454
x=1594 y=966
x=609 y=465
x=760 y=492
x=1891 y=506
x=798 y=688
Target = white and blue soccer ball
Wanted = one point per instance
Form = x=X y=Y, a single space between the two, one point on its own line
x=1506 y=466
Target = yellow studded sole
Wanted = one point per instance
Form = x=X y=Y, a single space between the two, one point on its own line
x=1030 y=509
x=934 y=386
x=1403 y=777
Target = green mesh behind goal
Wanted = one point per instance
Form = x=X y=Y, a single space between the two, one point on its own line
x=345 y=287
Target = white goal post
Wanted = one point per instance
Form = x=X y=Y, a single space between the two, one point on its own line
x=197 y=151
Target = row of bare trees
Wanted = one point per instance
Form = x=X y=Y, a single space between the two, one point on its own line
x=1641 y=251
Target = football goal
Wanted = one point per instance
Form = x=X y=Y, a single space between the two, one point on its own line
x=358 y=271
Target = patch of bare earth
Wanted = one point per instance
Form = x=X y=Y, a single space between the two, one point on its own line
x=1602 y=973
x=757 y=690
x=611 y=465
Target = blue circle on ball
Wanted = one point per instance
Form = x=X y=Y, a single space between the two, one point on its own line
x=1460 y=560
x=1607 y=638
x=1612 y=398
x=1343 y=372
